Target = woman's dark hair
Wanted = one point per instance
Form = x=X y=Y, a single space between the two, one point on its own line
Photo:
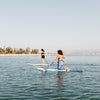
x=42 y=50
x=60 y=52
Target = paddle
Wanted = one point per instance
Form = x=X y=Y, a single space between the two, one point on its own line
x=48 y=64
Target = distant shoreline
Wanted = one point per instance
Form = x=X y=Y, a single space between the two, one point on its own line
x=22 y=54
x=47 y=54
x=17 y=54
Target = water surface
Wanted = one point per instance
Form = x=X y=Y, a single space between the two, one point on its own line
x=19 y=81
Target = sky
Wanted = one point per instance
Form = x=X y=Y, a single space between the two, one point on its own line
x=50 y=24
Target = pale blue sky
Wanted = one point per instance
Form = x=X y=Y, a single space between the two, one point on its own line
x=50 y=24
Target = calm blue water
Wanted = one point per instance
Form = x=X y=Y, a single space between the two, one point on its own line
x=19 y=81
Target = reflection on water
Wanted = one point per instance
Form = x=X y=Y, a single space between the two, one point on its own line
x=61 y=84
x=60 y=79
x=43 y=78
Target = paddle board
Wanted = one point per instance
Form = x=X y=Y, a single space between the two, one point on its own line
x=38 y=64
x=42 y=69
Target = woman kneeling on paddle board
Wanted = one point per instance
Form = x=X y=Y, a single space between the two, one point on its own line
x=60 y=58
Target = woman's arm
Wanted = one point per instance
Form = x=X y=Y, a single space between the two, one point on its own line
x=55 y=59
x=63 y=56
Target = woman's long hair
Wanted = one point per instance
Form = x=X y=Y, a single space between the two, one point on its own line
x=42 y=50
x=60 y=52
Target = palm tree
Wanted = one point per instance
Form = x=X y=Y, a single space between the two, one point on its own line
x=21 y=51
x=0 y=50
x=35 y=51
x=27 y=50
x=9 y=50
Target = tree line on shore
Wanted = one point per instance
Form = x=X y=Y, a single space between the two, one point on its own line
x=10 y=50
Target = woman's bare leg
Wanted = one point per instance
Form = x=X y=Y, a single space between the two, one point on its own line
x=42 y=60
x=66 y=68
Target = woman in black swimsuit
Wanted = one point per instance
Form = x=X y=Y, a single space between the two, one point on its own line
x=42 y=56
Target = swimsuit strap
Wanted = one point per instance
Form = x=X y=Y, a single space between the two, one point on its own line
x=61 y=59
